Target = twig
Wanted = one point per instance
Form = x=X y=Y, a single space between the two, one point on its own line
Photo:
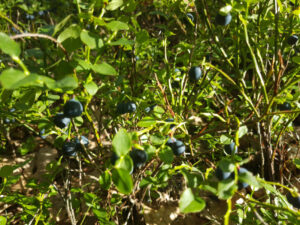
x=165 y=96
x=42 y=36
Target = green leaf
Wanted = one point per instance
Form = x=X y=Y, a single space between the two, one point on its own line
x=166 y=155
x=72 y=31
x=117 y=25
x=104 y=69
x=190 y=203
x=91 y=87
x=6 y=171
x=126 y=163
x=297 y=163
x=193 y=178
x=91 y=40
x=122 y=41
x=61 y=24
x=3 y=220
x=249 y=179
x=296 y=59
x=9 y=46
x=114 y=4
x=147 y=122
x=121 y=142
x=122 y=180
x=226 y=188
x=10 y=76
x=242 y=131
x=67 y=83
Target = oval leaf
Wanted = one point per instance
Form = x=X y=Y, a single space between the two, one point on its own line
x=122 y=180
x=91 y=40
x=121 y=142
x=104 y=69
x=190 y=203
x=9 y=46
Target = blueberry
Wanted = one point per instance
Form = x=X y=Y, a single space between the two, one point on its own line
x=126 y=107
x=41 y=12
x=139 y=157
x=221 y=175
x=231 y=148
x=223 y=20
x=73 y=108
x=12 y=110
x=170 y=120
x=114 y=158
x=294 y=201
x=292 y=39
x=6 y=120
x=190 y=15
x=176 y=70
x=41 y=133
x=83 y=140
x=61 y=120
x=285 y=106
x=177 y=146
x=131 y=107
x=195 y=73
x=69 y=148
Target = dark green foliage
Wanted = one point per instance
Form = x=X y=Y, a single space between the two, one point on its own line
x=73 y=108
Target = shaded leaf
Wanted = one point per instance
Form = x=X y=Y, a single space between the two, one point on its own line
x=190 y=203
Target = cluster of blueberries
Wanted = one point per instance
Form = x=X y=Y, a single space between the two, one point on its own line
x=231 y=149
x=71 y=109
x=223 y=175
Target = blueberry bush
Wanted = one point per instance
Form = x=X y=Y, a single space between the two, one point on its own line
x=146 y=103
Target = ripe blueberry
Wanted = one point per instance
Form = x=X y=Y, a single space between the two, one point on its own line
x=294 y=201
x=231 y=148
x=221 y=175
x=285 y=106
x=195 y=73
x=177 y=146
x=83 y=140
x=114 y=158
x=190 y=15
x=73 y=108
x=61 y=120
x=223 y=20
x=292 y=39
x=69 y=148
x=139 y=157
